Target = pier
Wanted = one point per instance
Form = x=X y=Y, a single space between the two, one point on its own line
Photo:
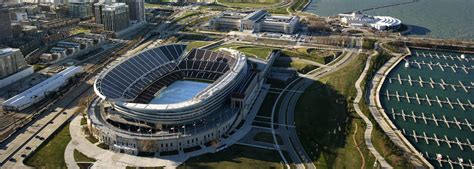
x=433 y=118
x=455 y=68
x=419 y=100
x=445 y=57
x=432 y=83
x=436 y=120
x=459 y=163
x=427 y=139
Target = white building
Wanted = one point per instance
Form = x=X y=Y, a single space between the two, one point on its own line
x=13 y=66
x=381 y=23
x=39 y=91
x=258 y=21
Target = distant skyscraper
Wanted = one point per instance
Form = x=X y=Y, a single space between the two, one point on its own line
x=5 y=24
x=98 y=12
x=80 y=9
x=115 y=16
x=136 y=9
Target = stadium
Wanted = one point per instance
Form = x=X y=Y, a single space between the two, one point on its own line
x=166 y=99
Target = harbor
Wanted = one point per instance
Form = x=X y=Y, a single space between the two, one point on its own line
x=428 y=98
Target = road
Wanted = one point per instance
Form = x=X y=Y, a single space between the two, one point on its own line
x=29 y=138
x=287 y=101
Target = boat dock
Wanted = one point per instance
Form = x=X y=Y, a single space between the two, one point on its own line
x=419 y=100
x=432 y=83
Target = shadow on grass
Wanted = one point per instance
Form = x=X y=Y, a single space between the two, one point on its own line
x=236 y=156
x=322 y=117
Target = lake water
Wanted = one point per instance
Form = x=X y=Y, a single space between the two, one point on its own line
x=447 y=19
x=417 y=116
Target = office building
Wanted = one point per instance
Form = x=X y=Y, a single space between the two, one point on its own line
x=12 y=66
x=258 y=21
x=115 y=16
x=80 y=9
x=5 y=24
x=136 y=9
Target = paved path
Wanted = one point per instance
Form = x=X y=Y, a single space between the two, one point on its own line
x=69 y=156
x=369 y=127
x=384 y=122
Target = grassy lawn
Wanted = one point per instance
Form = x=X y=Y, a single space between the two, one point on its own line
x=236 y=156
x=249 y=3
x=316 y=55
x=325 y=120
x=260 y=52
x=267 y=138
x=279 y=10
x=150 y=5
x=79 y=157
x=52 y=149
x=301 y=66
x=78 y=30
x=197 y=44
x=267 y=105
x=368 y=44
x=103 y=146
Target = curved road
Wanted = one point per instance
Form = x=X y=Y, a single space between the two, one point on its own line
x=290 y=96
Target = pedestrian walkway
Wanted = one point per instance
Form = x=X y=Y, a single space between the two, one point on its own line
x=384 y=122
x=369 y=127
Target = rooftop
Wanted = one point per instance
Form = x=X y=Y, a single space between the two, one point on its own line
x=6 y=51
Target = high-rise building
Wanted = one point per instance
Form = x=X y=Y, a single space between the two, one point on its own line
x=98 y=12
x=5 y=24
x=11 y=61
x=115 y=16
x=80 y=9
x=136 y=9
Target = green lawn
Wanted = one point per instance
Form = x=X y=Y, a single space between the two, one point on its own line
x=52 y=149
x=236 y=156
x=279 y=10
x=78 y=30
x=79 y=157
x=260 y=52
x=316 y=55
x=325 y=120
x=197 y=44
x=368 y=44
x=301 y=66
x=249 y=3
